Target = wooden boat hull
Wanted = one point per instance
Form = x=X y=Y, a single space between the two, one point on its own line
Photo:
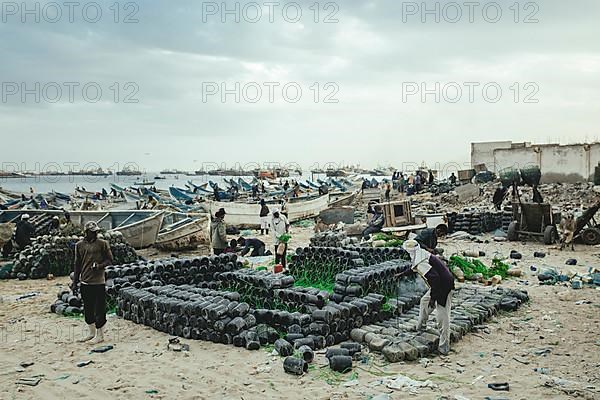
x=139 y=227
x=342 y=200
x=143 y=233
x=186 y=236
x=247 y=215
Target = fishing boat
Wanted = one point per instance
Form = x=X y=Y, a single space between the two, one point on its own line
x=342 y=199
x=181 y=195
x=144 y=183
x=139 y=227
x=246 y=215
x=186 y=234
x=244 y=185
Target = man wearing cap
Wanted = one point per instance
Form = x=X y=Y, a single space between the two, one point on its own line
x=92 y=255
x=24 y=232
x=439 y=296
x=218 y=232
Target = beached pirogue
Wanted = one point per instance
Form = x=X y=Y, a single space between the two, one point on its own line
x=140 y=228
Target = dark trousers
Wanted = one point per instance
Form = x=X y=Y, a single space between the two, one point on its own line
x=281 y=259
x=94 y=304
x=258 y=251
x=218 y=251
x=369 y=231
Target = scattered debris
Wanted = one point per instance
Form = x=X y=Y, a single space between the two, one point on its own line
x=102 y=349
x=34 y=381
x=84 y=363
x=406 y=384
x=499 y=387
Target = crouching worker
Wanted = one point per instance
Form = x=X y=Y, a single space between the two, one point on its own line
x=439 y=296
x=255 y=247
x=92 y=255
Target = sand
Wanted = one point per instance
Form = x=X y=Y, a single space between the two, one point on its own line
x=565 y=335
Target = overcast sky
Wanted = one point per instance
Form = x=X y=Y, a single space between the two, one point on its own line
x=369 y=67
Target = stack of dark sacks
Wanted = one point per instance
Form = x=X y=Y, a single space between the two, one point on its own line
x=326 y=326
x=256 y=287
x=42 y=224
x=471 y=306
x=332 y=239
x=452 y=219
x=322 y=263
x=203 y=272
x=55 y=255
x=507 y=217
x=67 y=304
x=476 y=222
x=376 y=255
x=306 y=300
x=384 y=278
x=191 y=313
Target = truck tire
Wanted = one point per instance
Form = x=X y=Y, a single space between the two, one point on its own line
x=591 y=236
x=550 y=235
x=512 y=233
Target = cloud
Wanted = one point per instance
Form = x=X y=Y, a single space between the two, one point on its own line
x=363 y=61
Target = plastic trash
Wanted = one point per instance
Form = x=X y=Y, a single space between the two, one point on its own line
x=102 y=349
x=499 y=386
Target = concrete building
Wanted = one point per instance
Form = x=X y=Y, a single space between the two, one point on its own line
x=558 y=163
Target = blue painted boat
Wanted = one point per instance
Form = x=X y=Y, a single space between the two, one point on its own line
x=180 y=194
x=338 y=185
x=312 y=185
x=244 y=185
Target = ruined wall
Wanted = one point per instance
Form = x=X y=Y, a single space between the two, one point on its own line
x=483 y=153
x=570 y=163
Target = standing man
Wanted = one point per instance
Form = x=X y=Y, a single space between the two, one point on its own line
x=453 y=179
x=218 y=232
x=439 y=296
x=92 y=255
x=499 y=196
x=418 y=182
x=279 y=227
x=388 y=189
x=216 y=192
x=401 y=182
x=264 y=218
x=24 y=232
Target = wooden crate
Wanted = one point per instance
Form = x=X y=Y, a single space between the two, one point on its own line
x=397 y=213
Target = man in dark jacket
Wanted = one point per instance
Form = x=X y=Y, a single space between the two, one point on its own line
x=439 y=296
x=24 y=232
x=264 y=217
x=376 y=223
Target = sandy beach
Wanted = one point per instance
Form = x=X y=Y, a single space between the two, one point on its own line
x=552 y=332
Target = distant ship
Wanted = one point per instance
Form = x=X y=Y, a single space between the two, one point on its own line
x=129 y=172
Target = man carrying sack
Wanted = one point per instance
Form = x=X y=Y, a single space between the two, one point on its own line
x=92 y=255
x=439 y=296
